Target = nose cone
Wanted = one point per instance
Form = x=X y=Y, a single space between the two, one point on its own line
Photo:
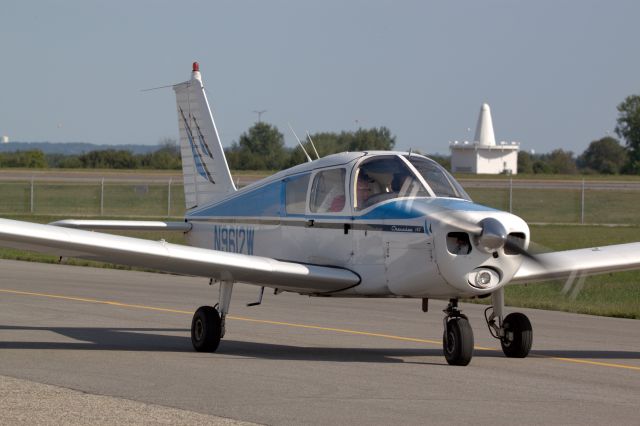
x=493 y=236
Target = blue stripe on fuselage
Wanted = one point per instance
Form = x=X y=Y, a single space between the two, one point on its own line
x=263 y=201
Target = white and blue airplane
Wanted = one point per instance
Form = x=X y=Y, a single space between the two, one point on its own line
x=355 y=224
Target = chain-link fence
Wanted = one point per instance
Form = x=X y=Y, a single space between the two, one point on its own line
x=588 y=202
x=92 y=198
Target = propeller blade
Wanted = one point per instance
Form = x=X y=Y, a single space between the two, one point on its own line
x=456 y=222
x=513 y=246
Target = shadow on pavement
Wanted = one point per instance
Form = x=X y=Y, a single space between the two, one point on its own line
x=163 y=340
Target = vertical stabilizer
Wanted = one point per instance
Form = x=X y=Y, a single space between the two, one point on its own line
x=204 y=166
x=484 y=129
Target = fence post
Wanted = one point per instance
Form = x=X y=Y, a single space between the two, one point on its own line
x=31 y=198
x=102 y=197
x=169 y=198
x=582 y=205
x=510 y=195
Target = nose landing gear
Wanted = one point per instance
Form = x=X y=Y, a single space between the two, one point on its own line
x=457 y=339
x=514 y=331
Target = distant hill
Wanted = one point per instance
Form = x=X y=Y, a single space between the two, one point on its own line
x=72 y=148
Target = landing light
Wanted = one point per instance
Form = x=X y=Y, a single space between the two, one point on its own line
x=484 y=278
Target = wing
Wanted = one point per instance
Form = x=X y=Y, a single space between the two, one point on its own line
x=588 y=261
x=175 y=258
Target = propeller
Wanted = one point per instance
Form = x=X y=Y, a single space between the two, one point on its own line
x=489 y=235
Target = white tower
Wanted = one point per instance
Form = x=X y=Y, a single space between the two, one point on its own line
x=484 y=128
x=484 y=155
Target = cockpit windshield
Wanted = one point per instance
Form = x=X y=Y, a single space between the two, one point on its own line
x=383 y=178
x=440 y=181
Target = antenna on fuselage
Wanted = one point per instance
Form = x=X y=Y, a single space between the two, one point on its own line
x=300 y=143
x=313 y=145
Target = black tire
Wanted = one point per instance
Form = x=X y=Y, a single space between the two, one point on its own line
x=206 y=329
x=518 y=337
x=457 y=341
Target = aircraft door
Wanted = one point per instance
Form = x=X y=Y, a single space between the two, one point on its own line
x=328 y=220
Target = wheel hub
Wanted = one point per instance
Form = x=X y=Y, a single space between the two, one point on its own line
x=198 y=329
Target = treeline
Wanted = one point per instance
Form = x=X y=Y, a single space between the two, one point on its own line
x=604 y=156
x=166 y=157
x=261 y=147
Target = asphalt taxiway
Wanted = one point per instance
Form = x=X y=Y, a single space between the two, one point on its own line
x=297 y=360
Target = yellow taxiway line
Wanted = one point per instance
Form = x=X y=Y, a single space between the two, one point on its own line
x=313 y=327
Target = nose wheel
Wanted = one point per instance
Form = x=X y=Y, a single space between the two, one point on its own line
x=518 y=335
x=514 y=331
x=457 y=339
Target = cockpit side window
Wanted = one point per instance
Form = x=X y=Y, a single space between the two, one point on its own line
x=296 y=194
x=327 y=192
x=440 y=181
x=385 y=178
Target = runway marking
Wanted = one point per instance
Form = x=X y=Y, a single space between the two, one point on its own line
x=312 y=327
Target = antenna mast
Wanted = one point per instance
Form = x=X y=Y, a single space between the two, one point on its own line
x=300 y=143
x=312 y=144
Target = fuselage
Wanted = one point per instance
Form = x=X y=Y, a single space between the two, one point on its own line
x=383 y=215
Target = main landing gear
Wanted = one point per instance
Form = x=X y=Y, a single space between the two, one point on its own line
x=514 y=331
x=208 y=325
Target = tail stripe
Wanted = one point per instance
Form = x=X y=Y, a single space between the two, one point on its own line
x=201 y=167
x=203 y=143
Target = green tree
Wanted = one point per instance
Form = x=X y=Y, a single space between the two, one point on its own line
x=628 y=128
x=166 y=157
x=260 y=148
x=605 y=155
x=33 y=159
x=561 y=162
x=377 y=138
x=109 y=159
x=541 y=166
x=525 y=162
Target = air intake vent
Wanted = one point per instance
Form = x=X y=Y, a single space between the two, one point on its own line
x=458 y=243
x=516 y=238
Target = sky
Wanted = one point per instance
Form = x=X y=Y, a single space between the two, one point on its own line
x=553 y=72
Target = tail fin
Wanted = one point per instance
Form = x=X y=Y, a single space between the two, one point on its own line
x=204 y=166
